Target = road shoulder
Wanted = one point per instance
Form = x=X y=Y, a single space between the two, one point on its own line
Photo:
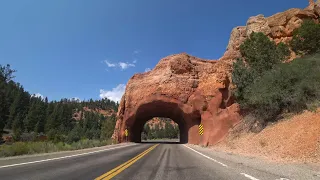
x=10 y=161
x=287 y=170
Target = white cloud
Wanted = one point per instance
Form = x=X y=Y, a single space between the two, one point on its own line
x=147 y=70
x=115 y=94
x=109 y=64
x=134 y=61
x=121 y=65
x=136 y=52
x=124 y=65
x=38 y=95
x=76 y=99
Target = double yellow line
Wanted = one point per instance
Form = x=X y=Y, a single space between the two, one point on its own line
x=125 y=165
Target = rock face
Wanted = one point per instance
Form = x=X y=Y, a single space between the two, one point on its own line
x=191 y=91
x=160 y=122
x=278 y=27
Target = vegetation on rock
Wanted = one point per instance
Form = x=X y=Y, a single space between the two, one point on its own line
x=265 y=87
x=306 y=39
x=260 y=54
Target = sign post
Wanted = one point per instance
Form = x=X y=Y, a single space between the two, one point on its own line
x=201 y=130
x=126 y=133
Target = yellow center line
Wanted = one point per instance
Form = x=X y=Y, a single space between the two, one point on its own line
x=110 y=174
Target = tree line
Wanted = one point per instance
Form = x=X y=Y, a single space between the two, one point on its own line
x=29 y=116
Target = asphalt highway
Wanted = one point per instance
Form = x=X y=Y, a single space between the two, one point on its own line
x=133 y=161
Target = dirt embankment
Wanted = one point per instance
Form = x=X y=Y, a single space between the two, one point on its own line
x=296 y=139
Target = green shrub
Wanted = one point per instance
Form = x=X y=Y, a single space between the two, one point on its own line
x=289 y=87
x=260 y=54
x=306 y=39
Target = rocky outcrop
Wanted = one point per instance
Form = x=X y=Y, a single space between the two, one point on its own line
x=191 y=90
x=278 y=27
x=160 y=122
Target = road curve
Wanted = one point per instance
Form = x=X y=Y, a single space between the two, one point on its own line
x=137 y=161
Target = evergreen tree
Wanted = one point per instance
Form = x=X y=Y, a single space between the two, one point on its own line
x=107 y=128
x=306 y=39
x=35 y=118
x=53 y=122
x=32 y=117
x=41 y=117
x=6 y=75
x=17 y=127
x=14 y=109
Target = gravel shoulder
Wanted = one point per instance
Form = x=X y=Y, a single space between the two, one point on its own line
x=286 y=170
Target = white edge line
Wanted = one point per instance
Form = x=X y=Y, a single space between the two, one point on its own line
x=248 y=176
x=206 y=156
x=64 y=157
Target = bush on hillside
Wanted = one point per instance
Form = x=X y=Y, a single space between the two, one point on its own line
x=265 y=87
x=289 y=87
x=306 y=39
x=260 y=54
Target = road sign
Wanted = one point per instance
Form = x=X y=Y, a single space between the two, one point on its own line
x=126 y=132
x=201 y=130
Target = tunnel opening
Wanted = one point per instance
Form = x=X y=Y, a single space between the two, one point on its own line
x=160 y=129
x=187 y=121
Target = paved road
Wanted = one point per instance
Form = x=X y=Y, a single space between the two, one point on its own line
x=134 y=161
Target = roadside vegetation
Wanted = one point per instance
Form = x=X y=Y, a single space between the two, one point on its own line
x=266 y=87
x=169 y=131
x=31 y=124
x=22 y=148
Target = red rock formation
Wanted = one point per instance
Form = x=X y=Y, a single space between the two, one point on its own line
x=278 y=27
x=106 y=113
x=160 y=122
x=186 y=89
x=191 y=91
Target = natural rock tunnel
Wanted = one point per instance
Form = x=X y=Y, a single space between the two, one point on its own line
x=162 y=107
x=186 y=89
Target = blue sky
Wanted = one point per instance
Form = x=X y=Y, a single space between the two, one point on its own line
x=90 y=48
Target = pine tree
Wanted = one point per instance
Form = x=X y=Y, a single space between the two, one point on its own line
x=31 y=118
x=17 y=127
x=53 y=122
x=41 y=116
x=107 y=128
x=14 y=109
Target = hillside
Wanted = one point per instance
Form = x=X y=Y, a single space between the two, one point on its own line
x=295 y=139
x=276 y=83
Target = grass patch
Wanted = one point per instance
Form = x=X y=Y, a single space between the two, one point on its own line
x=23 y=148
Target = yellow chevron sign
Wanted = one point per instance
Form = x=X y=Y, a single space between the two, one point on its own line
x=201 y=129
x=126 y=132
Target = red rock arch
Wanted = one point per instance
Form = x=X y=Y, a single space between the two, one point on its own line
x=186 y=89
